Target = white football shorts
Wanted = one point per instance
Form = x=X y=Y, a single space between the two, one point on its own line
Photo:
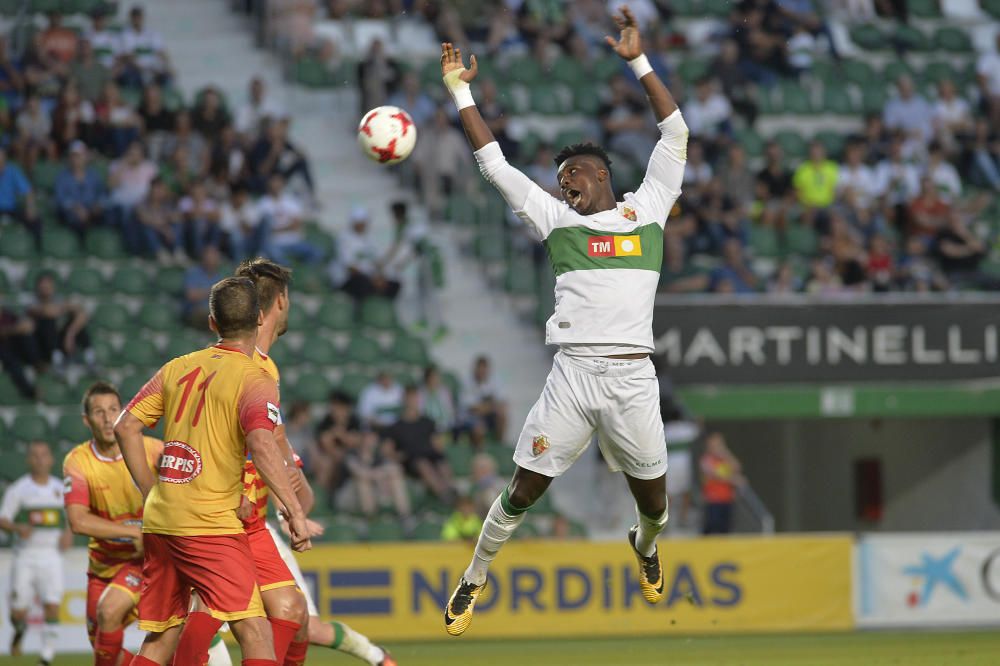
x=36 y=572
x=619 y=399
x=289 y=559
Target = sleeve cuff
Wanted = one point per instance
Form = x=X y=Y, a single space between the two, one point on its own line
x=490 y=151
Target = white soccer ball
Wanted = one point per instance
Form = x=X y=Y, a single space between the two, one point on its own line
x=387 y=134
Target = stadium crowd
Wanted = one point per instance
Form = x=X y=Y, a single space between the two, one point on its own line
x=899 y=203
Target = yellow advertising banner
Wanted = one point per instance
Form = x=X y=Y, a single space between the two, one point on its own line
x=580 y=588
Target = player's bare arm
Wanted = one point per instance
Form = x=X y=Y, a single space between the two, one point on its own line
x=86 y=523
x=457 y=79
x=128 y=432
x=271 y=467
x=628 y=46
x=300 y=485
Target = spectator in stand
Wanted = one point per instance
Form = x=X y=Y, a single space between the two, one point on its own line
x=299 y=430
x=380 y=402
x=241 y=223
x=721 y=477
x=60 y=326
x=709 y=112
x=951 y=116
x=201 y=216
x=856 y=180
x=988 y=78
x=909 y=112
x=959 y=252
x=377 y=477
x=129 y=179
x=209 y=116
x=146 y=60
x=378 y=73
x=735 y=173
x=59 y=42
x=541 y=172
x=34 y=128
x=847 y=253
x=464 y=523
x=928 y=213
x=734 y=272
x=198 y=281
x=412 y=247
x=119 y=122
x=876 y=140
x=79 y=192
x=442 y=158
x=89 y=74
x=285 y=219
x=229 y=159
x=784 y=281
x=274 y=153
x=436 y=400
x=258 y=109
x=485 y=404
x=495 y=115
x=916 y=270
x=942 y=174
x=677 y=274
x=338 y=433
x=11 y=78
x=159 y=122
x=486 y=482
x=355 y=269
x=824 y=280
x=762 y=46
x=194 y=145
x=985 y=151
x=697 y=171
x=419 y=448
x=739 y=90
x=897 y=183
x=815 y=182
x=106 y=43
x=881 y=269
x=43 y=75
x=416 y=102
x=625 y=120
x=73 y=119
x=17 y=199
x=156 y=229
x=18 y=349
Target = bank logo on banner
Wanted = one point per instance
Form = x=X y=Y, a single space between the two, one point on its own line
x=932 y=572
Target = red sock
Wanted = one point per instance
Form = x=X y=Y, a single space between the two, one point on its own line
x=284 y=633
x=139 y=660
x=259 y=662
x=127 y=657
x=196 y=638
x=107 y=645
x=296 y=655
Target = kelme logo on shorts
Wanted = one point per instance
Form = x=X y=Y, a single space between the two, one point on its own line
x=539 y=445
x=180 y=463
x=614 y=246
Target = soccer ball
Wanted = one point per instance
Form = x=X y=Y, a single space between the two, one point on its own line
x=387 y=134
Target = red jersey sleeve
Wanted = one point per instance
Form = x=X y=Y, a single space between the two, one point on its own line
x=147 y=405
x=258 y=403
x=76 y=490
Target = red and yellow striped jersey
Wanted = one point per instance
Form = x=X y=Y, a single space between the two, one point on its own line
x=210 y=400
x=105 y=486
x=254 y=488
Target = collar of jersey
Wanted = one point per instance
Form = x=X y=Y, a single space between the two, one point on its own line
x=100 y=456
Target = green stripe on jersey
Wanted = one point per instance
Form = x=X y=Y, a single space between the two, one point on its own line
x=41 y=517
x=583 y=249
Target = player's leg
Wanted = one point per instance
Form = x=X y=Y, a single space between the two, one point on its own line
x=255 y=639
x=158 y=648
x=113 y=609
x=21 y=594
x=284 y=604
x=48 y=575
x=164 y=602
x=557 y=430
x=338 y=636
x=218 y=653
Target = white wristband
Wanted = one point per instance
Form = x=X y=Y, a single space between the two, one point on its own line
x=640 y=66
x=460 y=91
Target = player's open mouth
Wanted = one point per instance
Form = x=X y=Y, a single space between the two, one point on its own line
x=572 y=197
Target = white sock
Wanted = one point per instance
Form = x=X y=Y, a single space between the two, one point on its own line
x=649 y=529
x=218 y=653
x=50 y=636
x=499 y=526
x=357 y=645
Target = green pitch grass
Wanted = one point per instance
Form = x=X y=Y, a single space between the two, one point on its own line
x=925 y=648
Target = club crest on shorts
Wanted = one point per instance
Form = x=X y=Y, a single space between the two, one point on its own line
x=539 y=445
x=132 y=580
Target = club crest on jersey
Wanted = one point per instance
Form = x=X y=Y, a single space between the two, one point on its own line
x=539 y=445
x=180 y=463
x=629 y=213
x=614 y=246
x=273 y=413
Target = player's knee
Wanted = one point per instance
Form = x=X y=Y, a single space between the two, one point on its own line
x=109 y=616
x=522 y=495
x=288 y=604
x=653 y=507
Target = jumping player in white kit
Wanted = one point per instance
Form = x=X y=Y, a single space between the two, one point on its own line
x=606 y=256
x=32 y=509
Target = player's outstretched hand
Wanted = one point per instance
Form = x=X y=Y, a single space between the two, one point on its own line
x=628 y=45
x=298 y=532
x=451 y=60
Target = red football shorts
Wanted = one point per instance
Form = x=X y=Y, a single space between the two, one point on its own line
x=128 y=579
x=218 y=567
x=272 y=571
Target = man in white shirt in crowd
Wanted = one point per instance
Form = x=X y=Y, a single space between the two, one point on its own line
x=284 y=215
x=380 y=402
x=484 y=402
x=908 y=111
x=241 y=224
x=988 y=77
x=32 y=510
x=106 y=43
x=259 y=106
x=144 y=49
x=708 y=113
x=356 y=270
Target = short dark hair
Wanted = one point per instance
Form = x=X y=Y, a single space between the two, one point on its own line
x=234 y=305
x=583 y=149
x=98 y=388
x=270 y=278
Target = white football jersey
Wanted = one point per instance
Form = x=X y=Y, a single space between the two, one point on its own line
x=39 y=505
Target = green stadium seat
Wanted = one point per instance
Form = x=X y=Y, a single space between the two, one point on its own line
x=752 y=142
x=44 y=175
x=524 y=70
x=133 y=383
x=586 y=101
x=605 y=69
x=717 y=8
x=310 y=279
x=868 y=37
x=54 y=392
x=310 y=386
x=801 y=240
x=462 y=210
x=336 y=314
x=61 y=243
x=104 y=244
x=568 y=71
x=428 y=530
x=953 y=40
x=319 y=351
x=111 y=316
x=159 y=316
x=44 y=6
x=792 y=144
x=352 y=383
x=10 y=396
x=362 y=350
x=795 y=99
x=298 y=318
x=36 y=271
x=5 y=282
x=764 y=242
x=311 y=73
x=183 y=342
x=546 y=101
x=911 y=38
x=991 y=7
x=340 y=531
x=925 y=9
x=70 y=428
x=104 y=352
x=409 y=349
x=686 y=8
x=16 y=242
x=85 y=281
x=874 y=98
x=837 y=100
x=169 y=280
x=131 y=281
x=857 y=71
x=893 y=70
x=385 y=529
x=13 y=463
x=322 y=240
x=29 y=425
x=567 y=138
x=460 y=459
x=379 y=313
x=520 y=278
x=941 y=71
x=139 y=352
x=10 y=7
x=833 y=142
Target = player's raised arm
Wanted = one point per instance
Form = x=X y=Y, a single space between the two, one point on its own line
x=629 y=47
x=662 y=184
x=457 y=79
